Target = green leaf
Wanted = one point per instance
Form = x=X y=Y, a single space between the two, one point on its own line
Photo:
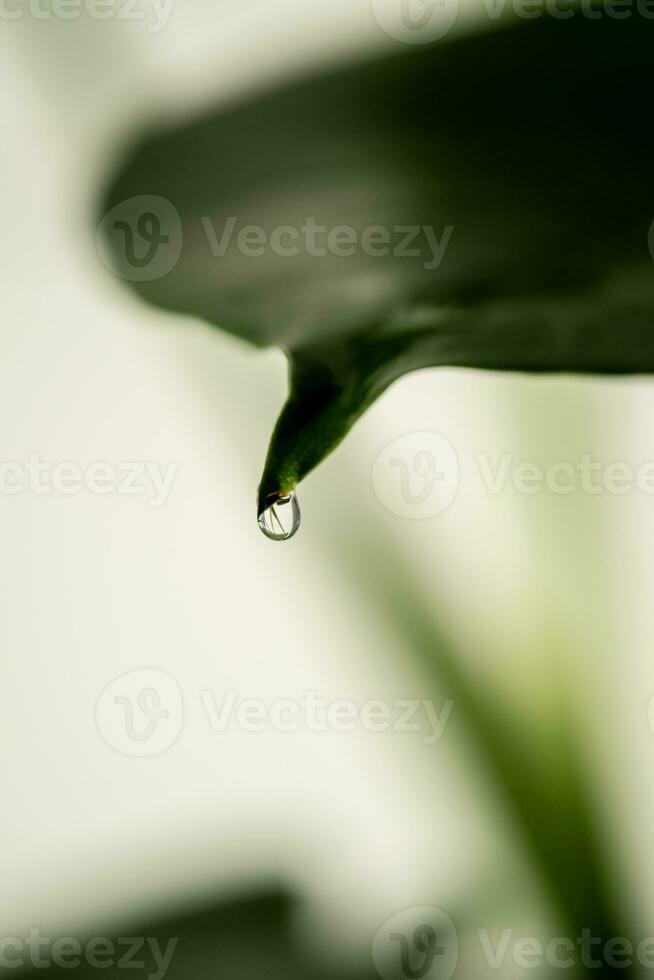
x=523 y=158
x=537 y=770
x=244 y=939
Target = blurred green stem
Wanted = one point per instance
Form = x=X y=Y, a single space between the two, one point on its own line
x=543 y=787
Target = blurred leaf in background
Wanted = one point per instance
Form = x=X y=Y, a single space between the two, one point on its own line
x=240 y=939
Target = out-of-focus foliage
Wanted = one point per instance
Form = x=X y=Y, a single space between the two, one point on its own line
x=239 y=940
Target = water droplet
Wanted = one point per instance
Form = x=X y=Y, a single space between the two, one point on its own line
x=281 y=518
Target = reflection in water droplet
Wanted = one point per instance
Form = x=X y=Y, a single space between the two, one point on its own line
x=281 y=519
